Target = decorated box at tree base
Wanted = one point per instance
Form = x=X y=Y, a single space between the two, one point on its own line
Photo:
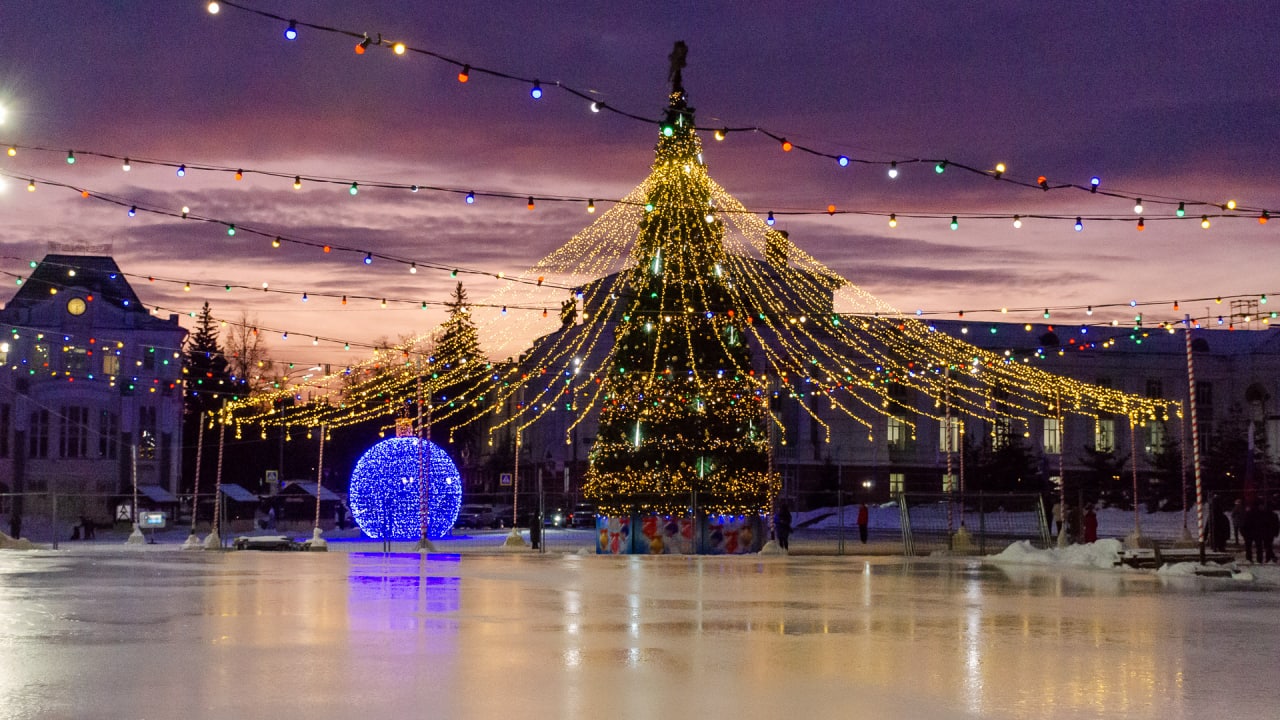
x=672 y=535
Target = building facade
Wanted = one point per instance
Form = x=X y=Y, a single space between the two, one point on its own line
x=90 y=392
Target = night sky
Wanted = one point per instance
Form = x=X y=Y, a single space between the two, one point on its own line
x=1175 y=100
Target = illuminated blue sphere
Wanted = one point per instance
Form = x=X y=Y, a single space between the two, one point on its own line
x=386 y=490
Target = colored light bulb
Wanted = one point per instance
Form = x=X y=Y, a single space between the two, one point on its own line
x=133 y=210
x=213 y=7
x=71 y=158
x=940 y=167
x=1017 y=222
x=954 y=222
x=535 y=92
x=398 y=48
x=126 y=166
x=787 y=146
x=1182 y=209
x=1142 y=225
x=591 y=206
x=1094 y=182
x=842 y=161
x=368 y=258
x=1204 y=221
x=465 y=74
x=354 y=189
x=182 y=171
x=291 y=32
x=769 y=219
x=297 y=182
x=1079 y=224
x=530 y=205
x=471 y=198
x=893 y=169
x=893 y=220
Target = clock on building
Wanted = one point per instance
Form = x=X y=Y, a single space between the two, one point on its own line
x=76 y=306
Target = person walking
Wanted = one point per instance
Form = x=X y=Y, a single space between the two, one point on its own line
x=1237 y=520
x=1090 y=525
x=863 y=518
x=782 y=525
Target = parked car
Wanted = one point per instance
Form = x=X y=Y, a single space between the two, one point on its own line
x=475 y=515
x=582 y=515
x=555 y=517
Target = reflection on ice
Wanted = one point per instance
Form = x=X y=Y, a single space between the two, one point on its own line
x=118 y=634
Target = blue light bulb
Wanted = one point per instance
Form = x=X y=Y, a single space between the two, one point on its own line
x=536 y=91
x=291 y=33
x=471 y=198
x=182 y=171
x=368 y=258
x=842 y=161
x=1079 y=225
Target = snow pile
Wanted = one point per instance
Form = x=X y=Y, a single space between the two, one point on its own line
x=1100 y=554
x=8 y=543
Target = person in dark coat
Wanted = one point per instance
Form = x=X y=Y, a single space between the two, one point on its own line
x=862 y=522
x=1237 y=520
x=1255 y=530
x=1220 y=527
x=1270 y=529
x=1090 y=524
x=782 y=525
x=535 y=530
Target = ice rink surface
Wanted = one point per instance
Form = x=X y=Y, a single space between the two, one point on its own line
x=134 y=633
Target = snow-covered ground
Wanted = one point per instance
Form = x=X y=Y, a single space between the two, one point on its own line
x=107 y=631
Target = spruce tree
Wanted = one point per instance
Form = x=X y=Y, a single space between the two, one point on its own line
x=455 y=368
x=683 y=421
x=208 y=377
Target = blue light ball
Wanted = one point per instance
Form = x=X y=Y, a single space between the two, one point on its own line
x=385 y=493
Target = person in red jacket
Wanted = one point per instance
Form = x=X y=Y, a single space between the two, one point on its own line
x=862 y=522
x=1090 y=532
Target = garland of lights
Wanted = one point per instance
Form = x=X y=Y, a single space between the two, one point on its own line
x=998 y=172
x=1228 y=209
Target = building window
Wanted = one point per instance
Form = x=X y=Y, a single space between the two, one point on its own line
x=1104 y=435
x=1273 y=439
x=1204 y=400
x=4 y=430
x=149 y=359
x=897 y=481
x=1000 y=430
x=75 y=360
x=949 y=441
x=38 y=447
x=1053 y=436
x=898 y=433
x=40 y=356
x=1155 y=437
x=108 y=435
x=1155 y=388
x=146 y=433
x=73 y=433
x=950 y=482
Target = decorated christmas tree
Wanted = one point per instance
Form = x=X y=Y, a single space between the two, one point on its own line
x=682 y=422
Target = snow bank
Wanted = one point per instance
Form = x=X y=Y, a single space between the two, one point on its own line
x=1100 y=554
x=8 y=543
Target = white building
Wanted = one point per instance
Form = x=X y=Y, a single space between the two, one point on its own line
x=90 y=388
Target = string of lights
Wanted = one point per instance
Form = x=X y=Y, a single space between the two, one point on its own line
x=998 y=171
x=277 y=239
x=1140 y=218
x=302 y=295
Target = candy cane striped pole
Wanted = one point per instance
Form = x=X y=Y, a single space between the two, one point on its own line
x=1195 y=435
